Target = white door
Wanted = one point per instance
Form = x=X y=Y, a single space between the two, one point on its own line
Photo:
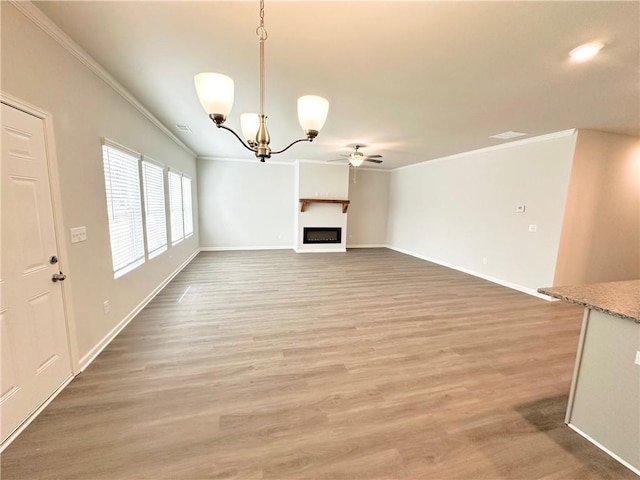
x=35 y=350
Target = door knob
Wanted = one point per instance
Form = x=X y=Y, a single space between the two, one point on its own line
x=58 y=277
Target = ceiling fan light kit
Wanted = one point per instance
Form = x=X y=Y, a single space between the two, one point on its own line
x=216 y=91
x=357 y=158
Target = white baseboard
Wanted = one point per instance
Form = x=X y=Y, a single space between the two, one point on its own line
x=367 y=245
x=605 y=449
x=34 y=415
x=86 y=360
x=499 y=281
x=225 y=249
x=321 y=250
x=288 y=247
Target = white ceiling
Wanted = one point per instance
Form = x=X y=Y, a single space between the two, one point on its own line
x=414 y=80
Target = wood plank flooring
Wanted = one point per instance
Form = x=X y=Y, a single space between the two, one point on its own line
x=369 y=365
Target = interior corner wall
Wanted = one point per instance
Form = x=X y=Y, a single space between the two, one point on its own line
x=600 y=239
x=460 y=211
x=39 y=71
x=369 y=203
x=245 y=205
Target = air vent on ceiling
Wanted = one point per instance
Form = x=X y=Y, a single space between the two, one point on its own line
x=183 y=128
x=508 y=135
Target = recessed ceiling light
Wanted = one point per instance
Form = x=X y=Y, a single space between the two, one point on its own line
x=183 y=128
x=585 y=52
x=508 y=135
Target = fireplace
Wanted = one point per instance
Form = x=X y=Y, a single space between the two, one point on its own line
x=315 y=235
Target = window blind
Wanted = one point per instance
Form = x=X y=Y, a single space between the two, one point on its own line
x=122 y=184
x=187 y=206
x=154 y=209
x=176 y=208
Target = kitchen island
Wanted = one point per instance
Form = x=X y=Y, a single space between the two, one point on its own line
x=604 y=400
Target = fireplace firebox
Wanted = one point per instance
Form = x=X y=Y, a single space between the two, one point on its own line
x=317 y=235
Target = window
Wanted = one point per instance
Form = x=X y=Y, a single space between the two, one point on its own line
x=122 y=184
x=131 y=183
x=181 y=207
x=177 y=213
x=155 y=216
x=187 y=208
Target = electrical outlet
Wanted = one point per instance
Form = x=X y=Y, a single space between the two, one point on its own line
x=78 y=234
x=106 y=306
x=520 y=208
x=485 y=260
x=533 y=228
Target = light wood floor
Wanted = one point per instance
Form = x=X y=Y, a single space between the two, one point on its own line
x=276 y=365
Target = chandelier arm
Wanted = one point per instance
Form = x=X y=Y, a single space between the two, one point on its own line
x=238 y=137
x=292 y=144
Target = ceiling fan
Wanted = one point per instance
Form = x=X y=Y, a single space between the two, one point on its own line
x=356 y=158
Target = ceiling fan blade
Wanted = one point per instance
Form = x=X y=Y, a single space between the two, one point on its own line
x=374 y=156
x=372 y=161
x=337 y=160
x=345 y=154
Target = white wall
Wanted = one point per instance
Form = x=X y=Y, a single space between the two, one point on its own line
x=321 y=180
x=39 y=71
x=601 y=232
x=253 y=205
x=245 y=205
x=369 y=196
x=460 y=210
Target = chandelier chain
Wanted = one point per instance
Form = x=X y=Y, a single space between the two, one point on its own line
x=262 y=35
x=261 y=31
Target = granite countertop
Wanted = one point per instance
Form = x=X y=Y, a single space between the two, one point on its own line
x=621 y=299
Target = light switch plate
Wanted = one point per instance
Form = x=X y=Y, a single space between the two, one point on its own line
x=78 y=234
x=637 y=362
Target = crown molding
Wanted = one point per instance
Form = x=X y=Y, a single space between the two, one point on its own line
x=502 y=146
x=244 y=160
x=34 y=14
x=289 y=163
x=323 y=162
x=371 y=169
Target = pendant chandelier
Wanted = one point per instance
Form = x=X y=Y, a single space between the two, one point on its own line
x=215 y=92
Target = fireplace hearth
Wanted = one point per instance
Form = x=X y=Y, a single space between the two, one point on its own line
x=320 y=235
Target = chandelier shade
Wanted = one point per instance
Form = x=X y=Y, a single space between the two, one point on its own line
x=312 y=113
x=249 y=124
x=215 y=92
